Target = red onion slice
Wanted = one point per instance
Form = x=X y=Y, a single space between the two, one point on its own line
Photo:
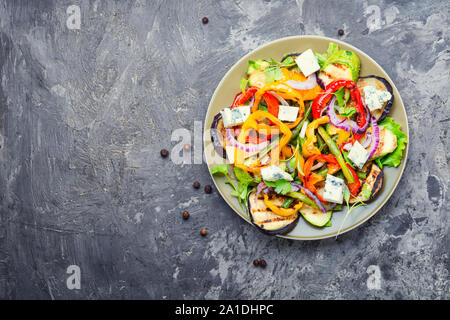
x=317 y=166
x=320 y=82
x=303 y=85
x=323 y=111
x=249 y=148
x=279 y=98
x=268 y=190
x=294 y=187
x=252 y=101
x=347 y=146
x=330 y=206
x=311 y=195
x=345 y=124
x=259 y=188
x=375 y=135
x=367 y=140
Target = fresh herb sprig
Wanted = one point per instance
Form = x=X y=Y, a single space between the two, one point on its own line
x=349 y=209
x=273 y=72
x=280 y=186
x=244 y=183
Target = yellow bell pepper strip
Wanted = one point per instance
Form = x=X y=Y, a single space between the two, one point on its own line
x=281 y=211
x=308 y=148
x=342 y=134
x=251 y=123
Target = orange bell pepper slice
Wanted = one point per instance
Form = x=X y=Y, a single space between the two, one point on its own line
x=309 y=94
x=286 y=152
x=280 y=88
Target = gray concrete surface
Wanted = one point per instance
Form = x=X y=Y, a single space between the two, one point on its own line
x=84 y=113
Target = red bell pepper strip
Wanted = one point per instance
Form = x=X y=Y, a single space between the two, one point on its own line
x=242 y=98
x=354 y=187
x=257 y=140
x=322 y=99
x=252 y=138
x=272 y=104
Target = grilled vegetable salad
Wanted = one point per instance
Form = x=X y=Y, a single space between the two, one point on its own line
x=307 y=136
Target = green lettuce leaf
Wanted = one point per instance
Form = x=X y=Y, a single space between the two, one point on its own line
x=394 y=158
x=332 y=48
x=348 y=58
x=322 y=57
x=243 y=85
x=221 y=168
x=273 y=73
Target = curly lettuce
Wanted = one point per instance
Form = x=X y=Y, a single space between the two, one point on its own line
x=345 y=57
x=323 y=57
x=394 y=158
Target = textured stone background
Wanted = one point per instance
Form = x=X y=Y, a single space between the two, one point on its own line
x=85 y=112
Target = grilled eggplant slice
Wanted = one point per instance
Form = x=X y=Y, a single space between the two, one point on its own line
x=218 y=135
x=314 y=216
x=372 y=185
x=381 y=84
x=267 y=221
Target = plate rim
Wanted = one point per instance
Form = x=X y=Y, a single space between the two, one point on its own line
x=402 y=165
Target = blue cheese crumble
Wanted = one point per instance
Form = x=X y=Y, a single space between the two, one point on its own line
x=235 y=117
x=375 y=98
x=307 y=62
x=274 y=173
x=358 y=155
x=287 y=113
x=334 y=189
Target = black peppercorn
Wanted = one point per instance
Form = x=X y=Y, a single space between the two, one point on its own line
x=203 y=232
x=205 y=20
x=196 y=184
x=256 y=262
x=185 y=215
x=263 y=263
x=208 y=189
x=164 y=153
x=340 y=32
